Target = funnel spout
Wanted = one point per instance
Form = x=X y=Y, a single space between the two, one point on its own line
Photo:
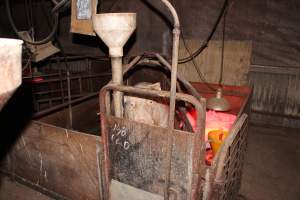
x=117 y=78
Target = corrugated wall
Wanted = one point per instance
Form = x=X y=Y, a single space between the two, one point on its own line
x=276 y=98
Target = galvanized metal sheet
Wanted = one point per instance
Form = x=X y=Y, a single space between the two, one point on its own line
x=275 y=95
x=223 y=178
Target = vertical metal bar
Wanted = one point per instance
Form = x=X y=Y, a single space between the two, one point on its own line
x=222 y=49
x=37 y=105
x=90 y=73
x=80 y=84
x=117 y=78
x=176 y=34
x=61 y=86
x=100 y=159
x=69 y=100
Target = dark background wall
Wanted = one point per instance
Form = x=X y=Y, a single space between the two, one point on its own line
x=272 y=26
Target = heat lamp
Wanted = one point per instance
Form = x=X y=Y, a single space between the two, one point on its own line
x=219 y=103
x=10 y=68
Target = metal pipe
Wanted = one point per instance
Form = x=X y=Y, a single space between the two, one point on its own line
x=57 y=98
x=173 y=12
x=117 y=78
x=69 y=100
x=176 y=34
x=186 y=83
x=61 y=86
x=132 y=63
x=72 y=78
x=199 y=105
x=55 y=108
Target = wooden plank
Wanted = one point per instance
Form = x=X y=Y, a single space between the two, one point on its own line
x=61 y=161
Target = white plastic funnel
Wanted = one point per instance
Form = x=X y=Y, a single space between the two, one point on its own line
x=114 y=29
x=10 y=68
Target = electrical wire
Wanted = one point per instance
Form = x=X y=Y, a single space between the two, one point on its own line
x=205 y=44
x=191 y=57
x=32 y=29
x=28 y=62
x=55 y=13
x=222 y=50
x=55 y=2
x=200 y=74
x=27 y=14
x=62 y=4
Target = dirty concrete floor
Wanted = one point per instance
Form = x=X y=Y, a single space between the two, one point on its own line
x=271 y=170
x=272 y=165
x=10 y=190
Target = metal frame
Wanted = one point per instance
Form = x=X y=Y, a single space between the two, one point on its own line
x=216 y=184
x=198 y=147
x=223 y=178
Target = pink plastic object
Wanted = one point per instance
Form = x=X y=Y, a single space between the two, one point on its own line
x=214 y=120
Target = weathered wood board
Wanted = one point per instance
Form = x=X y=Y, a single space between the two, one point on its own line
x=57 y=160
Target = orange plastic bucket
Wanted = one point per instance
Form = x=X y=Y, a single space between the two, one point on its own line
x=216 y=139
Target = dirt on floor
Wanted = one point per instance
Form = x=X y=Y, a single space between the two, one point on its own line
x=272 y=165
x=11 y=190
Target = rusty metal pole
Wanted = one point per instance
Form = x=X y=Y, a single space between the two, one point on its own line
x=69 y=100
x=176 y=34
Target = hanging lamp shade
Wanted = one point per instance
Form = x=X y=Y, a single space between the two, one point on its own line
x=218 y=103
